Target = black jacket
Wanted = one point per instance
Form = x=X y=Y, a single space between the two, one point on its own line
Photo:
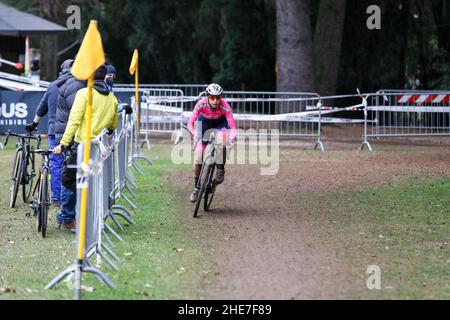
x=68 y=87
x=48 y=106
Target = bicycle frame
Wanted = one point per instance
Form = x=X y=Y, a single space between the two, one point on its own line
x=207 y=184
x=22 y=176
x=40 y=200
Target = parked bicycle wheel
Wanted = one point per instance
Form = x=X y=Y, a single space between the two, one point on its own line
x=44 y=202
x=203 y=181
x=210 y=189
x=16 y=177
x=28 y=178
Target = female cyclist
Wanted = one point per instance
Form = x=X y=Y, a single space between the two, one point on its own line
x=211 y=113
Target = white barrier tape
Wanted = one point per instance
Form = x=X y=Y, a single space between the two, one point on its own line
x=175 y=99
x=160 y=108
x=177 y=120
x=252 y=117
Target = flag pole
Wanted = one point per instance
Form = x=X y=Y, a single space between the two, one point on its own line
x=89 y=58
x=136 y=80
x=84 y=191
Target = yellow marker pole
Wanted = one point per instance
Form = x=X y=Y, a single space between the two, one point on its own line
x=85 y=188
x=136 y=80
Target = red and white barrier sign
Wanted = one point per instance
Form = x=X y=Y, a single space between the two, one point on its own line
x=424 y=98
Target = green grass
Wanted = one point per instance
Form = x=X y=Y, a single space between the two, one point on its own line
x=404 y=229
x=161 y=259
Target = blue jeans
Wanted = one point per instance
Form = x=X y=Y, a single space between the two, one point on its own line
x=68 y=205
x=56 y=163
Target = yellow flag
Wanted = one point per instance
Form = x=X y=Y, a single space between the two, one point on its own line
x=91 y=55
x=134 y=61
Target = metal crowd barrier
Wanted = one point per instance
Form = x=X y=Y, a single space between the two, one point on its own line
x=255 y=113
x=105 y=187
x=189 y=90
x=403 y=113
x=410 y=113
x=153 y=116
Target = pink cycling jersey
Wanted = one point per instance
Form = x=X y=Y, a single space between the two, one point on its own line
x=202 y=108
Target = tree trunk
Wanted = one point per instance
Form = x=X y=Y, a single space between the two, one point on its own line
x=402 y=76
x=328 y=45
x=50 y=10
x=294 y=46
x=49 y=50
x=441 y=12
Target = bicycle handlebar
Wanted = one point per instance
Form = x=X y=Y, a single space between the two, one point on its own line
x=22 y=135
x=46 y=152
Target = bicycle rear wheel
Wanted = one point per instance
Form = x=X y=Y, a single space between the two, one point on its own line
x=27 y=185
x=203 y=181
x=209 y=194
x=16 y=177
x=43 y=203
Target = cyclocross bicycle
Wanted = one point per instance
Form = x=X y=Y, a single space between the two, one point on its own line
x=40 y=200
x=207 y=182
x=22 y=174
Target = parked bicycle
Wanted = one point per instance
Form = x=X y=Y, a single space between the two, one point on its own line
x=207 y=182
x=41 y=198
x=23 y=172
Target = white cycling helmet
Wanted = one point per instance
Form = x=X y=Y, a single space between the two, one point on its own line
x=214 y=90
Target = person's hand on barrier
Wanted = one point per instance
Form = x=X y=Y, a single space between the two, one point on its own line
x=59 y=149
x=30 y=127
x=128 y=109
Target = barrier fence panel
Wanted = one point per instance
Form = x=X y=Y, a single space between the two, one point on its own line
x=189 y=90
x=254 y=112
x=102 y=187
x=94 y=199
x=161 y=111
x=251 y=109
x=409 y=113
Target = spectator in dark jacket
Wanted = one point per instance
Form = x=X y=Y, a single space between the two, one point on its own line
x=68 y=88
x=110 y=76
x=48 y=106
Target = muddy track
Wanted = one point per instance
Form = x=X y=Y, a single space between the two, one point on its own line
x=267 y=247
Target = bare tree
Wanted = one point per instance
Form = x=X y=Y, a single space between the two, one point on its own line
x=294 y=46
x=328 y=45
x=52 y=11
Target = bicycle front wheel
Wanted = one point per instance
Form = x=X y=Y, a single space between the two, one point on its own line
x=44 y=202
x=209 y=193
x=16 y=177
x=203 y=181
x=27 y=185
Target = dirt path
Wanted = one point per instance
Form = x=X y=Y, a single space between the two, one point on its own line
x=267 y=247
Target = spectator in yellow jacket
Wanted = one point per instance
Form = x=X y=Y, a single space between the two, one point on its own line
x=104 y=116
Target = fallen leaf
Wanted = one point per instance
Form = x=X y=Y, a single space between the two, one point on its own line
x=87 y=288
x=181 y=270
x=178 y=250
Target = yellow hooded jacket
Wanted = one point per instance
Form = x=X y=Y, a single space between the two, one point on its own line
x=104 y=114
